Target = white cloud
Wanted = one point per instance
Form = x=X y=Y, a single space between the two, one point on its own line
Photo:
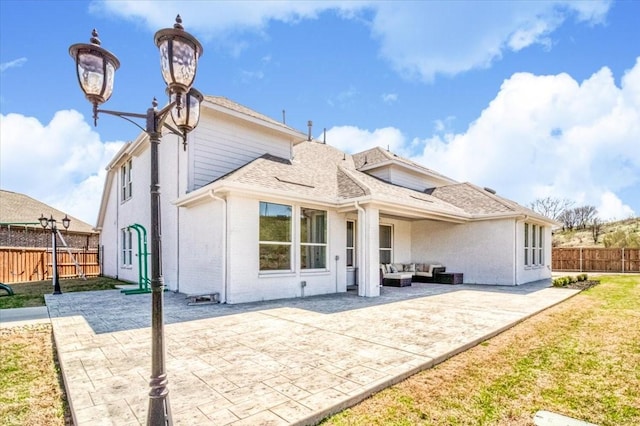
x=60 y=163
x=352 y=139
x=16 y=63
x=389 y=98
x=551 y=136
x=423 y=39
x=541 y=136
x=612 y=208
x=418 y=39
x=344 y=98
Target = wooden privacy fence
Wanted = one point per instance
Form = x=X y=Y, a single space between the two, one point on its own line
x=20 y=264
x=595 y=259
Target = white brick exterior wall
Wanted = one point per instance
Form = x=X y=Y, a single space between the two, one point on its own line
x=456 y=246
x=248 y=283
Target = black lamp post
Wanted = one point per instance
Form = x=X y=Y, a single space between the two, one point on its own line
x=51 y=223
x=179 y=53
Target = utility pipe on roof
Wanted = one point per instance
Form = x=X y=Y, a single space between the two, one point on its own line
x=225 y=285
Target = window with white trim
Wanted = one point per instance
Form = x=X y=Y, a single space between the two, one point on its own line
x=313 y=239
x=275 y=237
x=351 y=243
x=540 y=246
x=126 y=185
x=526 y=244
x=534 y=230
x=127 y=247
x=533 y=245
x=386 y=243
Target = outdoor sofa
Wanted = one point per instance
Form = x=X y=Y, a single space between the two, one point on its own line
x=403 y=274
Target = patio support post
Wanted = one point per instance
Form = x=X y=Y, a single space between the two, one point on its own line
x=371 y=252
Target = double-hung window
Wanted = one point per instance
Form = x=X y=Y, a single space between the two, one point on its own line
x=351 y=243
x=534 y=252
x=126 y=186
x=533 y=245
x=127 y=247
x=386 y=243
x=526 y=244
x=313 y=239
x=540 y=246
x=275 y=237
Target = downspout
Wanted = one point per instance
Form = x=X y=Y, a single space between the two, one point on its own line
x=225 y=278
x=362 y=236
x=516 y=251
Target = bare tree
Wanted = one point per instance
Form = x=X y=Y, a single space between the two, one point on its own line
x=596 y=229
x=584 y=216
x=568 y=219
x=551 y=207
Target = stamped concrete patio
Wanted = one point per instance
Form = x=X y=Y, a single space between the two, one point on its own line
x=271 y=363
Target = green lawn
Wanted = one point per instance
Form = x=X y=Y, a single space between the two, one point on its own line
x=580 y=359
x=32 y=293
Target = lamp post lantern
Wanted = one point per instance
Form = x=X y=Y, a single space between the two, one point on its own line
x=52 y=224
x=95 y=67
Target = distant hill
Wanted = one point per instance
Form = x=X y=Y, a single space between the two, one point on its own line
x=627 y=230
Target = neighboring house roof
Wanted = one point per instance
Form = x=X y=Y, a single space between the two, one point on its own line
x=322 y=173
x=16 y=208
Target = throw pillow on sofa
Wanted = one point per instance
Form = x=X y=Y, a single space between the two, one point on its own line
x=409 y=267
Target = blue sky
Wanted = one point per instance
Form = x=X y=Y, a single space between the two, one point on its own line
x=533 y=99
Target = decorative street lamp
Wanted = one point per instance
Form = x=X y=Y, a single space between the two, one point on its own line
x=52 y=224
x=95 y=66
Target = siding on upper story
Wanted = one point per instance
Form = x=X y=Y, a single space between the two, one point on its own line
x=402 y=177
x=220 y=145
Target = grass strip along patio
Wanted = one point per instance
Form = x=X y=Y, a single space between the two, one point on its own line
x=31 y=294
x=580 y=358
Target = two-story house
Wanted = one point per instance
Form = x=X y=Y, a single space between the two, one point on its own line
x=253 y=210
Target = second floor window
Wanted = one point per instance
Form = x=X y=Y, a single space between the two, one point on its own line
x=125 y=173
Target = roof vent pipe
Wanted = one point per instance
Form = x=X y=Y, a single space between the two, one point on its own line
x=324 y=136
x=310 y=125
x=284 y=117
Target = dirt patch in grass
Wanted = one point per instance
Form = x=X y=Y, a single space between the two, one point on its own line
x=30 y=388
x=580 y=358
x=583 y=285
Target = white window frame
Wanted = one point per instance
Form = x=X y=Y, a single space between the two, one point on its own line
x=533 y=244
x=263 y=243
x=126 y=185
x=322 y=245
x=541 y=245
x=390 y=248
x=526 y=244
x=351 y=248
x=126 y=240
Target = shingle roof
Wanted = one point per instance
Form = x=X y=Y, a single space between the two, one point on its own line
x=378 y=155
x=326 y=174
x=234 y=106
x=20 y=208
x=476 y=200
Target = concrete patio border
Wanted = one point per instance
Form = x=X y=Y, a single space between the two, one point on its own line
x=292 y=361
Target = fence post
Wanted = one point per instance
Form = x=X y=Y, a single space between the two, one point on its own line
x=580 y=259
x=622 y=259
